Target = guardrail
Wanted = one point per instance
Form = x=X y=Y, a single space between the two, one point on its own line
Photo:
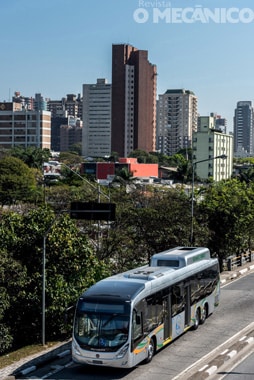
x=232 y=262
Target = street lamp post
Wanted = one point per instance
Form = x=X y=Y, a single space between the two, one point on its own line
x=43 y=288
x=44 y=276
x=223 y=156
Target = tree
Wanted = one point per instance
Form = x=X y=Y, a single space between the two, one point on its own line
x=182 y=165
x=71 y=267
x=141 y=155
x=70 y=158
x=247 y=175
x=124 y=174
x=76 y=148
x=114 y=156
x=17 y=181
x=32 y=156
x=147 y=222
x=12 y=284
x=229 y=207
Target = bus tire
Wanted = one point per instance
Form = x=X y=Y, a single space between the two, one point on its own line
x=150 y=351
x=204 y=314
x=197 y=319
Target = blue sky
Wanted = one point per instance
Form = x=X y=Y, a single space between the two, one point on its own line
x=54 y=46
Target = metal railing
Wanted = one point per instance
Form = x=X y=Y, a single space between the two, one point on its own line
x=232 y=262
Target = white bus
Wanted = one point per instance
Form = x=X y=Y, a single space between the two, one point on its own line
x=124 y=319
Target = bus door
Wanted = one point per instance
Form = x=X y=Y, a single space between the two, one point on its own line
x=187 y=304
x=167 y=316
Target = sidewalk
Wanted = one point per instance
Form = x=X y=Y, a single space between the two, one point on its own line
x=31 y=363
x=228 y=276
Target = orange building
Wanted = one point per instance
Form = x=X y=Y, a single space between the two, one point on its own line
x=102 y=170
x=140 y=170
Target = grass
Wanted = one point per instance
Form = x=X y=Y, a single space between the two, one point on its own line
x=15 y=356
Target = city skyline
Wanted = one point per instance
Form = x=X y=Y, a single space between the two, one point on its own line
x=54 y=47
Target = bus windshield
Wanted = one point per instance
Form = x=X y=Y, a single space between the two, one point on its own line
x=99 y=329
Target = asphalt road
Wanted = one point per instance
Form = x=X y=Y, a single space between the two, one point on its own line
x=243 y=371
x=234 y=313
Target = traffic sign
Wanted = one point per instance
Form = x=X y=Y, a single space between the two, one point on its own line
x=93 y=211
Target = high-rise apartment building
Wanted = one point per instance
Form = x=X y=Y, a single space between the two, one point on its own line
x=70 y=106
x=176 y=120
x=56 y=123
x=20 y=126
x=73 y=105
x=30 y=103
x=133 y=119
x=70 y=134
x=244 y=129
x=25 y=101
x=209 y=142
x=96 y=139
x=57 y=108
x=65 y=131
x=39 y=103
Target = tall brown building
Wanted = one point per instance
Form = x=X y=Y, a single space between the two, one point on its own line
x=133 y=100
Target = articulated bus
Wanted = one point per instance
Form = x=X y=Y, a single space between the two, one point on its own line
x=126 y=318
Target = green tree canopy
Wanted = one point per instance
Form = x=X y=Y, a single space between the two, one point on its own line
x=147 y=222
x=229 y=206
x=71 y=267
x=12 y=284
x=17 y=181
x=70 y=158
x=76 y=148
x=144 y=157
x=32 y=156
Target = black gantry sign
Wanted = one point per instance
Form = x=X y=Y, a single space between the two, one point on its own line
x=93 y=211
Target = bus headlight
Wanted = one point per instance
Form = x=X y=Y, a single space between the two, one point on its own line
x=122 y=352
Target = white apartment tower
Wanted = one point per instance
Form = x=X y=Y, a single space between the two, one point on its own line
x=176 y=120
x=209 y=142
x=96 y=138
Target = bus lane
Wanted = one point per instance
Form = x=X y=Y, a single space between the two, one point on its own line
x=234 y=313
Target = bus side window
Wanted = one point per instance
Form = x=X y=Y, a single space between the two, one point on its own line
x=154 y=312
x=136 y=325
x=177 y=299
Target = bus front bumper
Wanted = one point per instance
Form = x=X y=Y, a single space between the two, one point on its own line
x=118 y=359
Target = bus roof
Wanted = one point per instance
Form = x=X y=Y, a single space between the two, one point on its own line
x=115 y=290
x=127 y=285
x=180 y=257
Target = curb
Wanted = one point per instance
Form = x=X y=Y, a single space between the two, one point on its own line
x=229 y=276
x=27 y=370
x=30 y=364
x=43 y=360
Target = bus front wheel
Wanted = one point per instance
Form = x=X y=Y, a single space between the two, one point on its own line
x=150 y=351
